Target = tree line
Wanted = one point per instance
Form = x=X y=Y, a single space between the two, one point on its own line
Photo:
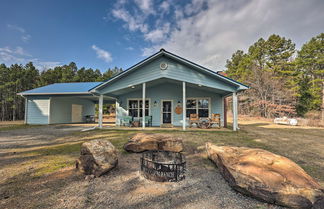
x=17 y=78
x=284 y=81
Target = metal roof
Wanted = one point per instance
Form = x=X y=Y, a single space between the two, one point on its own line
x=63 y=88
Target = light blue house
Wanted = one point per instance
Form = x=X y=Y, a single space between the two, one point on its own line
x=171 y=86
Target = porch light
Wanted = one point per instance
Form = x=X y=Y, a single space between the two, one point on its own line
x=133 y=87
x=179 y=102
x=199 y=85
x=155 y=103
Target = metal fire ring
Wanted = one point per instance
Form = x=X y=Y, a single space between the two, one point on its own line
x=163 y=166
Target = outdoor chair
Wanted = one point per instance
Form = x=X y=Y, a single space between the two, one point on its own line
x=193 y=119
x=215 y=119
x=148 y=121
x=126 y=121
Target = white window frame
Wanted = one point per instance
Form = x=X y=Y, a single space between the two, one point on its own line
x=139 y=109
x=197 y=108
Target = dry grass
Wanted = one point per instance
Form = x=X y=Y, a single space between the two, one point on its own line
x=26 y=169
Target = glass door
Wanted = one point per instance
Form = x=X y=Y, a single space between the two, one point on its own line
x=166 y=112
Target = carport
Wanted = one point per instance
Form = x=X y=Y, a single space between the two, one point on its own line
x=61 y=103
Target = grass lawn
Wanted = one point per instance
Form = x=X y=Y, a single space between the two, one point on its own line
x=26 y=168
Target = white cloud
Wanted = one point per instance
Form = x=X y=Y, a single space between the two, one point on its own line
x=18 y=55
x=165 y=5
x=158 y=34
x=210 y=31
x=211 y=34
x=17 y=28
x=130 y=48
x=145 y=5
x=17 y=51
x=25 y=37
x=102 y=54
x=133 y=22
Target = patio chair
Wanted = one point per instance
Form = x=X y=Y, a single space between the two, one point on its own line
x=215 y=119
x=126 y=120
x=148 y=121
x=193 y=119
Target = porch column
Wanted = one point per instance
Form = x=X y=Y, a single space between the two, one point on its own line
x=117 y=113
x=235 y=114
x=100 y=110
x=26 y=109
x=184 y=105
x=143 y=106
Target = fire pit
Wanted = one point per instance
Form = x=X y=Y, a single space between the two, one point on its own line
x=163 y=166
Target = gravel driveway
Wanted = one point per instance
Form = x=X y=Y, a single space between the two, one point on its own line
x=123 y=187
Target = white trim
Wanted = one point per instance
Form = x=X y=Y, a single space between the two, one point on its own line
x=125 y=72
x=223 y=110
x=127 y=105
x=161 y=112
x=100 y=116
x=49 y=110
x=207 y=71
x=235 y=112
x=26 y=110
x=116 y=113
x=184 y=106
x=197 y=98
x=53 y=93
x=163 y=52
x=144 y=104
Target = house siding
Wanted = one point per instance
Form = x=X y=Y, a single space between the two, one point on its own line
x=175 y=71
x=168 y=91
x=37 y=110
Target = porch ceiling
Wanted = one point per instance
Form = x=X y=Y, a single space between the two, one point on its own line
x=160 y=81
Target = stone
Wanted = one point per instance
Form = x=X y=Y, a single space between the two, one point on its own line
x=97 y=157
x=266 y=176
x=150 y=141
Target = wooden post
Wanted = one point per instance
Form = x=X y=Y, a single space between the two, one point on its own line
x=184 y=105
x=100 y=110
x=143 y=106
x=235 y=116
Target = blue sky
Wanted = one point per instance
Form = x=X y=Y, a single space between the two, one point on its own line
x=102 y=33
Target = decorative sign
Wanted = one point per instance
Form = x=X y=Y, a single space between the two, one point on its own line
x=178 y=110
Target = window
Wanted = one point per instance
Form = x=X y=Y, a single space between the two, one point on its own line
x=198 y=106
x=135 y=107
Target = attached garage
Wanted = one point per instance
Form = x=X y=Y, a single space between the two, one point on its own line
x=61 y=103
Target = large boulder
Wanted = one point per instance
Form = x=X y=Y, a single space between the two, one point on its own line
x=266 y=176
x=149 y=141
x=97 y=157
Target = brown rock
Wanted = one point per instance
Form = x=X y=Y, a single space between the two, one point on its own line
x=97 y=157
x=147 y=141
x=266 y=176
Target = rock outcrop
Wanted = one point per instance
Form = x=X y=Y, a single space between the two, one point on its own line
x=97 y=157
x=147 y=141
x=266 y=176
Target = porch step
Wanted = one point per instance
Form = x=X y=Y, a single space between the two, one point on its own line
x=166 y=126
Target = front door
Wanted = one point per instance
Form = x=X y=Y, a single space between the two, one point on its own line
x=166 y=112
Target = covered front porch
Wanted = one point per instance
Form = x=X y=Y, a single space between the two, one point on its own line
x=168 y=103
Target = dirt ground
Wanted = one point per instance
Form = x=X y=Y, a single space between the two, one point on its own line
x=37 y=168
